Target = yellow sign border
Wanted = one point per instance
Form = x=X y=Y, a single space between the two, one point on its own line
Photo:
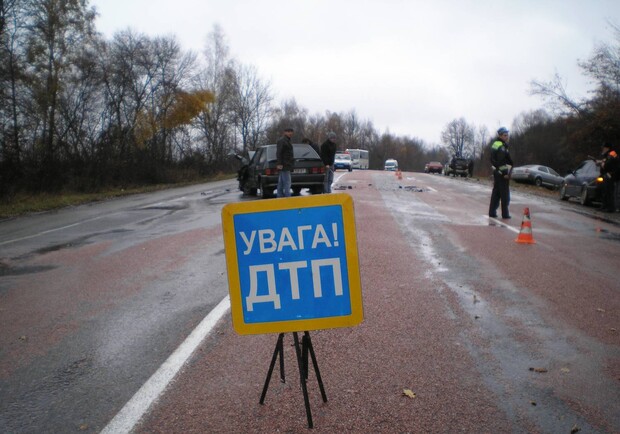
x=232 y=265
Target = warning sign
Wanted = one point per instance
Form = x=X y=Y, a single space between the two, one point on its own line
x=292 y=264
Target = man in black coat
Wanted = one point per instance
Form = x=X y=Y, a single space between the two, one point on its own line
x=328 y=155
x=284 y=154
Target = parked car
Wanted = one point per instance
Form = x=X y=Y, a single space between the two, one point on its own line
x=433 y=167
x=260 y=172
x=343 y=161
x=391 y=164
x=537 y=175
x=584 y=183
x=456 y=166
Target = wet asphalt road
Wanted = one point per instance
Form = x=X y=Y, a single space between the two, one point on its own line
x=94 y=299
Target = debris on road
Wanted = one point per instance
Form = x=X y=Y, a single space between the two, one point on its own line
x=409 y=393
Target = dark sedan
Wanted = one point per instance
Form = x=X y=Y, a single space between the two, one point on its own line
x=537 y=175
x=584 y=183
x=261 y=172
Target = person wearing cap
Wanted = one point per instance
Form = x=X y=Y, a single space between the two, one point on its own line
x=328 y=155
x=502 y=169
x=284 y=155
x=610 y=171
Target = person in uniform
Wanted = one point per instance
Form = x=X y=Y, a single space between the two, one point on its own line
x=502 y=169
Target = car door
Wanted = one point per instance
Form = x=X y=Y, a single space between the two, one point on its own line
x=544 y=175
x=254 y=169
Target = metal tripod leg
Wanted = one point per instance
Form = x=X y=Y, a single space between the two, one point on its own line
x=279 y=350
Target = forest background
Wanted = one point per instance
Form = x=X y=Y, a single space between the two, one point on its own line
x=81 y=114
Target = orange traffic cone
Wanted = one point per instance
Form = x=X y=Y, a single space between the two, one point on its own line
x=525 y=235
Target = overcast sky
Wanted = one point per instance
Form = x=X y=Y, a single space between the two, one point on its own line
x=409 y=66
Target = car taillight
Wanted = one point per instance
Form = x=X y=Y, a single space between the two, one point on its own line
x=270 y=172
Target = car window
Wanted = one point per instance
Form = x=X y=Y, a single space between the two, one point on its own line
x=592 y=169
x=271 y=152
x=304 y=150
x=543 y=169
x=553 y=172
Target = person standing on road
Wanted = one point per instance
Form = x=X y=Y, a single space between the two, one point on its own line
x=328 y=155
x=502 y=170
x=284 y=155
x=610 y=173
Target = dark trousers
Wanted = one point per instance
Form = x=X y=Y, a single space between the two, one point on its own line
x=609 y=194
x=500 y=193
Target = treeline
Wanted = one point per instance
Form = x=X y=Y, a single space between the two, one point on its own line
x=81 y=113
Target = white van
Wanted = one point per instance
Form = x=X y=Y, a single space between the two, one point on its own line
x=391 y=164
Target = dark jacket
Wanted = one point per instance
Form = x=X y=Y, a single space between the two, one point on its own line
x=284 y=153
x=500 y=157
x=610 y=167
x=328 y=152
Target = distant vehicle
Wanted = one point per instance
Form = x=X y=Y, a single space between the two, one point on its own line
x=537 y=175
x=456 y=166
x=343 y=161
x=585 y=183
x=260 y=172
x=359 y=158
x=391 y=164
x=433 y=167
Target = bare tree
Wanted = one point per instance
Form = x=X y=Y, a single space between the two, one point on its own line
x=251 y=106
x=58 y=31
x=214 y=124
x=458 y=137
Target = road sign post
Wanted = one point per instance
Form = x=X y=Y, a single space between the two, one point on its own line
x=293 y=266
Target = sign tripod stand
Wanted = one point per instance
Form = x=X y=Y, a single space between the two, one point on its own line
x=302 y=353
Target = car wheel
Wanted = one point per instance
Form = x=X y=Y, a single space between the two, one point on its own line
x=538 y=182
x=350 y=169
x=296 y=191
x=583 y=197
x=265 y=191
x=563 y=195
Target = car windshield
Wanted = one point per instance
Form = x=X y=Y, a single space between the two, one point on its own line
x=343 y=157
x=301 y=151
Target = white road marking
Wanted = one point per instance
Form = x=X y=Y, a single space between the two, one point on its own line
x=139 y=404
x=38 y=234
x=515 y=230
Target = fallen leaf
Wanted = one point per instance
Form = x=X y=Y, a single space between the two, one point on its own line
x=565 y=370
x=83 y=427
x=477 y=317
x=600 y=309
x=533 y=403
x=23 y=338
x=574 y=429
x=409 y=393
x=539 y=370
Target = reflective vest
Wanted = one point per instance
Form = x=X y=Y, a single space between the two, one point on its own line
x=495 y=147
